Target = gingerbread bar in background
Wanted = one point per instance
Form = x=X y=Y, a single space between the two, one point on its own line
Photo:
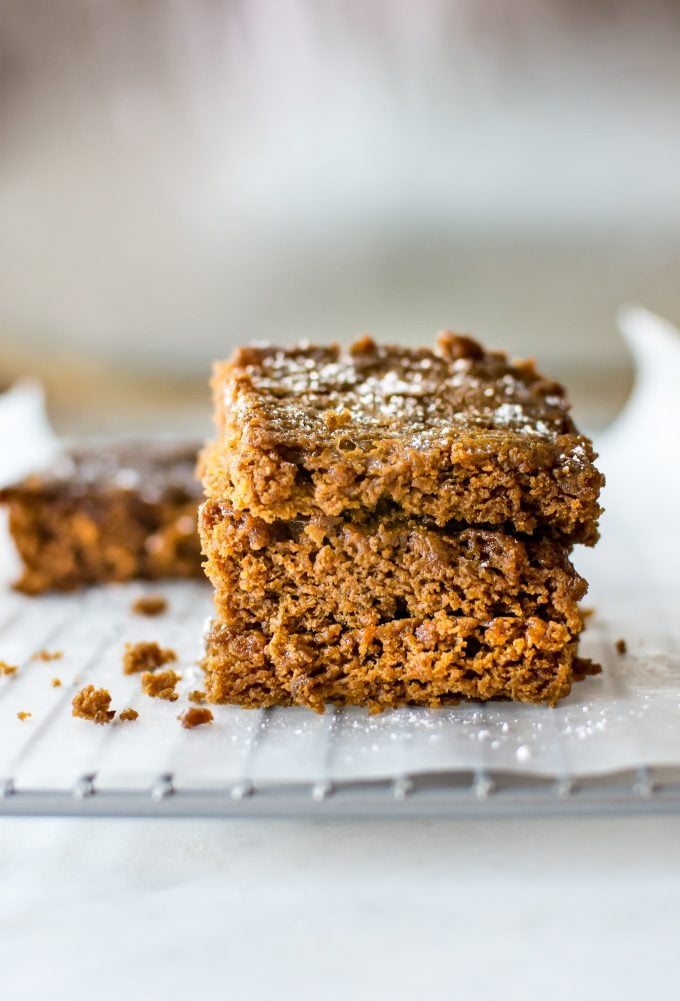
x=107 y=512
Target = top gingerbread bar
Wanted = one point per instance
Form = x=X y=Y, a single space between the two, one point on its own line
x=451 y=434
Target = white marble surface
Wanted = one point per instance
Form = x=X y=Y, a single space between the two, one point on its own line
x=509 y=910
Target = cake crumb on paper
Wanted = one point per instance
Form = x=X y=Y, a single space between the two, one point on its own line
x=621 y=647
x=23 y=715
x=48 y=655
x=128 y=714
x=161 y=684
x=56 y=682
x=584 y=667
x=92 y=704
x=150 y=605
x=197 y=696
x=7 y=669
x=194 y=717
x=139 y=657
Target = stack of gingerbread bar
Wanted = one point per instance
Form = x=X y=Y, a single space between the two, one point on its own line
x=390 y=526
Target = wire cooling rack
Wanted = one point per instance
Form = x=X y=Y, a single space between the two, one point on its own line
x=613 y=746
x=455 y=795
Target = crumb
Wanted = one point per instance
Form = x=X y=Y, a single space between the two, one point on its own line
x=621 y=647
x=48 y=655
x=93 y=704
x=130 y=714
x=7 y=668
x=584 y=667
x=192 y=717
x=145 y=657
x=161 y=685
x=587 y=613
x=22 y=715
x=56 y=682
x=197 y=696
x=152 y=604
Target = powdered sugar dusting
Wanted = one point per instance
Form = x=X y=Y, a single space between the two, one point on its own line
x=421 y=396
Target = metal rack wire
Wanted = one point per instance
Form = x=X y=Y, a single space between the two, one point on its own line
x=461 y=795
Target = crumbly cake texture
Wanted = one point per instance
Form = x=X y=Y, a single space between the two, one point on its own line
x=392 y=526
x=312 y=573
x=385 y=612
x=161 y=684
x=452 y=434
x=102 y=513
x=431 y=664
x=146 y=656
x=93 y=704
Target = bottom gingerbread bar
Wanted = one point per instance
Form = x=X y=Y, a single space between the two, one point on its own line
x=107 y=512
x=409 y=662
x=385 y=613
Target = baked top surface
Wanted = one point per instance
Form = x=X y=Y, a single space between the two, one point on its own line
x=453 y=433
x=152 y=469
x=421 y=396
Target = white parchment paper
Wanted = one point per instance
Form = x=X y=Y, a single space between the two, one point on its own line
x=627 y=717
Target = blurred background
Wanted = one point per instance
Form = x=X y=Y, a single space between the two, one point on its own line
x=179 y=176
